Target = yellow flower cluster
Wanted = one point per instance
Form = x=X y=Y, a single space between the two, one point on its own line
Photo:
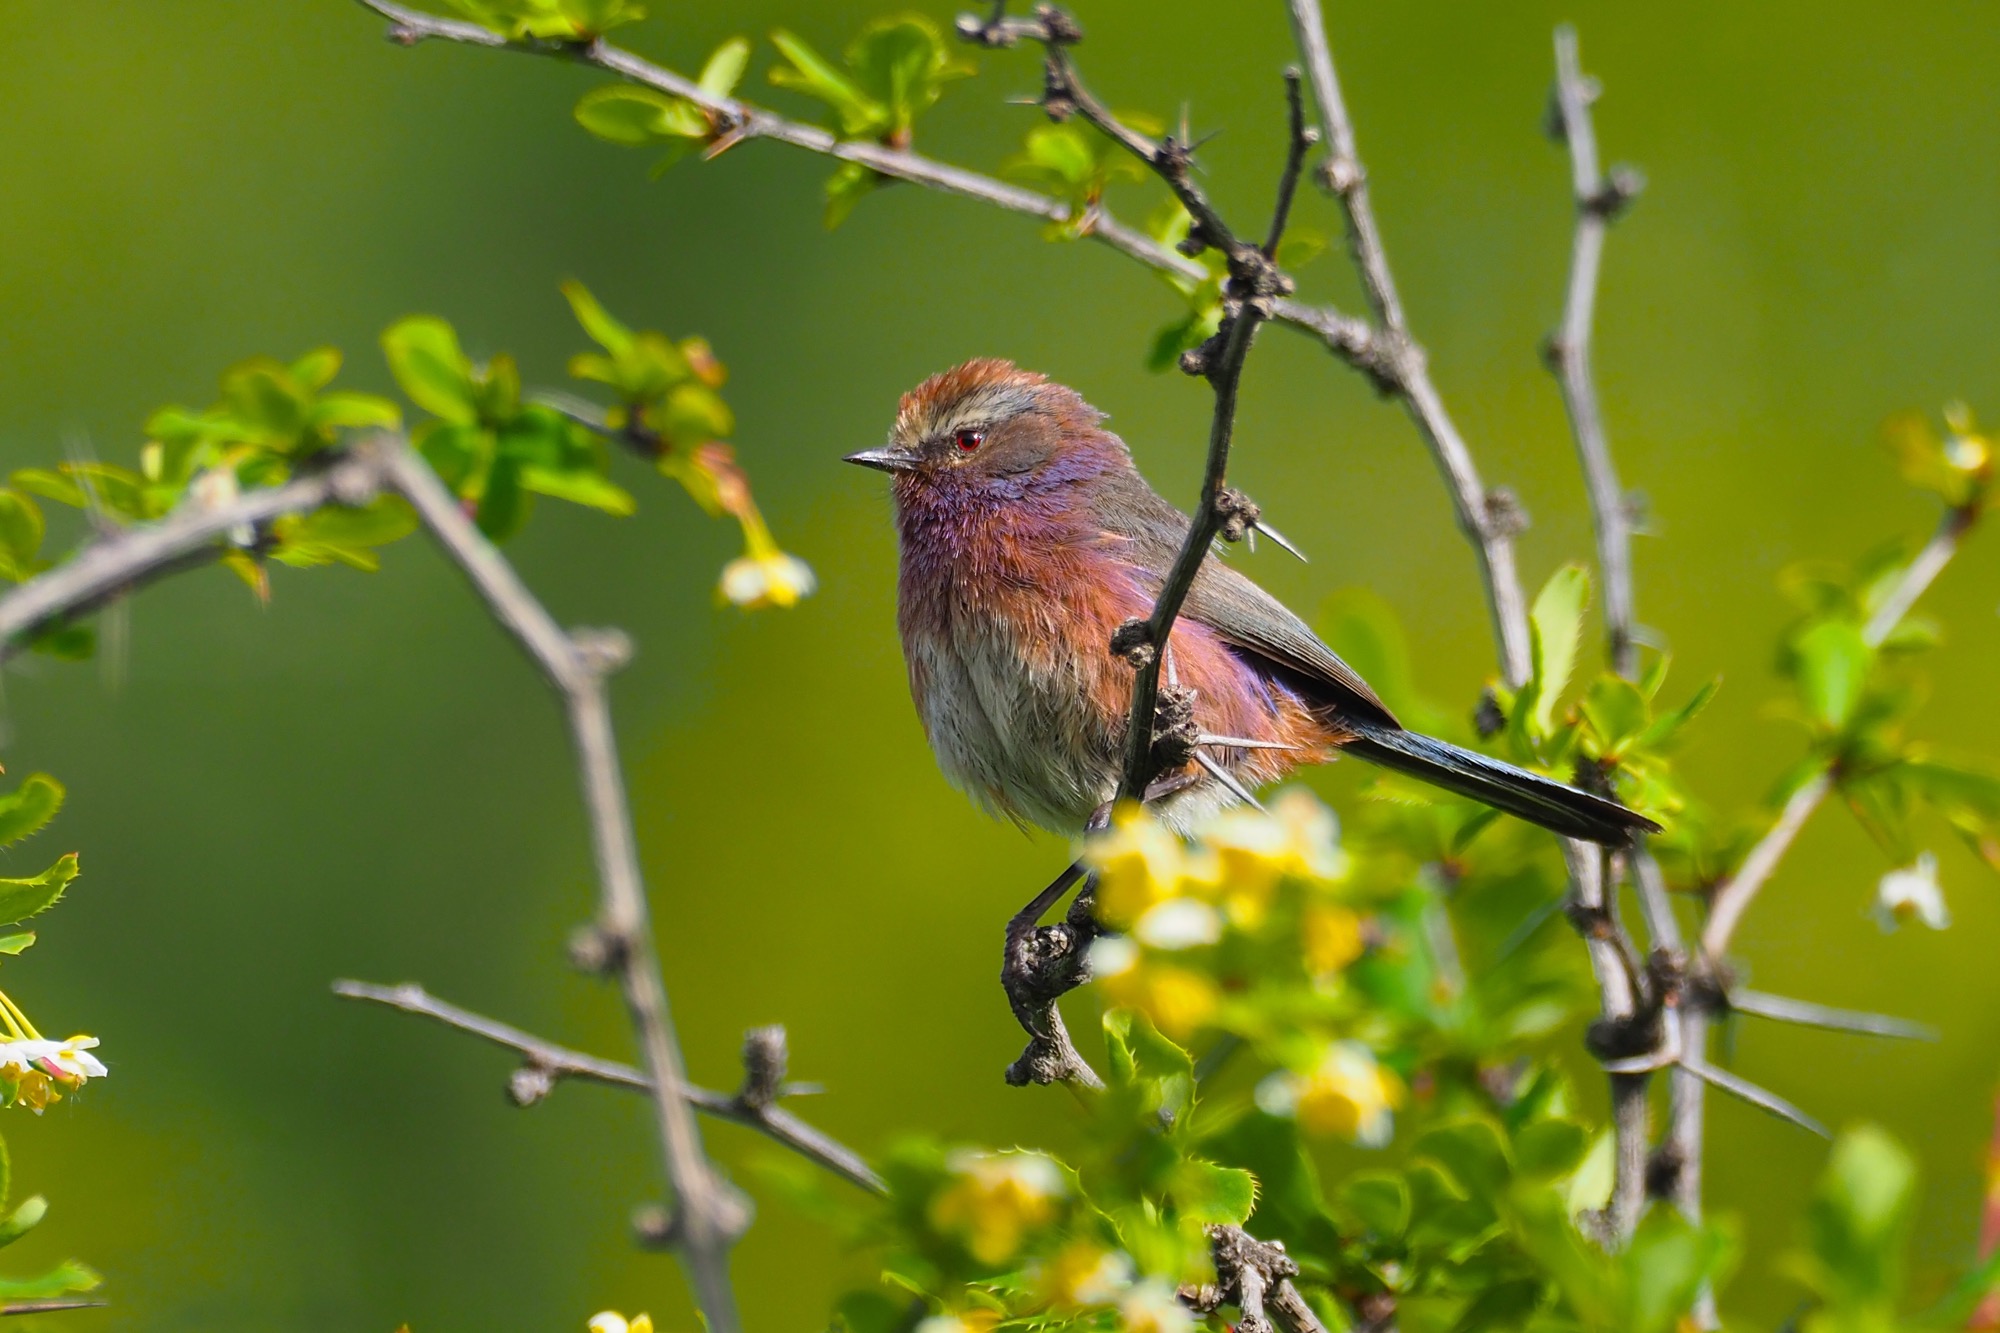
x=1170 y=896
x=996 y=1199
x=1347 y=1096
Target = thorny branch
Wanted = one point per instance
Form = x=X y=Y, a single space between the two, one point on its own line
x=1732 y=898
x=128 y=558
x=1394 y=360
x=709 y=1213
x=1041 y=964
x=544 y=1064
x=1599 y=199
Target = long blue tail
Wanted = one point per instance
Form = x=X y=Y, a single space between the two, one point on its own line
x=1539 y=800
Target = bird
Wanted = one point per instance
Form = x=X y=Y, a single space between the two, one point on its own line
x=1027 y=537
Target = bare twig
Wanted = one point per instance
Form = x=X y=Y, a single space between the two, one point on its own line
x=548 y=1063
x=1392 y=357
x=709 y=1214
x=51 y=1305
x=1599 y=199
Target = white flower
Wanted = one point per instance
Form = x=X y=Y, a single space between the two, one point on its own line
x=610 y=1321
x=33 y=1068
x=1179 y=923
x=771 y=579
x=1111 y=955
x=1152 y=1307
x=1912 y=893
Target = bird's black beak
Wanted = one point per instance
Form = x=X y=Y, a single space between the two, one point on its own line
x=885 y=459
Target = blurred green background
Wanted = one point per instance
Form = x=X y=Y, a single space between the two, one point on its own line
x=363 y=779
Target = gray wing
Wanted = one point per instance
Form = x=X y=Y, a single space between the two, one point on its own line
x=1242 y=613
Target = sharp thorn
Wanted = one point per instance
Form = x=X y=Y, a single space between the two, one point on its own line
x=1751 y=1093
x=1228 y=779
x=1261 y=526
x=1782 y=1009
x=1244 y=743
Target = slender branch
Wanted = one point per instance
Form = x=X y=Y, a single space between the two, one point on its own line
x=128 y=558
x=709 y=1214
x=1598 y=201
x=1396 y=362
x=1734 y=896
x=545 y=1063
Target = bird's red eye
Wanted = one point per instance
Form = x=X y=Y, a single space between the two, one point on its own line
x=968 y=441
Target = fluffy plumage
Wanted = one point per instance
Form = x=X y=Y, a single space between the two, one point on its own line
x=1027 y=537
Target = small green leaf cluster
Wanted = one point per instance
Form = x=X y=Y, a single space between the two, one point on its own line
x=28 y=1075
x=1169 y=225
x=550 y=20
x=982 y=1238
x=624 y=113
x=496 y=447
x=1076 y=164
x=897 y=68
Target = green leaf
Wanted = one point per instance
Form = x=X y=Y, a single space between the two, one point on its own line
x=21 y=531
x=1556 y=625
x=1378 y=1200
x=23 y=1219
x=23 y=898
x=1832 y=662
x=16 y=944
x=604 y=330
x=1548 y=1148
x=580 y=487
x=66 y=642
x=51 y=486
x=1858 y=1219
x=1666 y=729
x=1615 y=710
x=870 y=1312
x=845 y=188
x=1664 y=1267
x=1212 y=1195
x=316 y=369
x=1473 y=1151
x=725 y=66
x=340 y=534
x=812 y=74
x=29 y=807
x=624 y=114
x=352 y=411
x=59 y=1281
x=425 y=357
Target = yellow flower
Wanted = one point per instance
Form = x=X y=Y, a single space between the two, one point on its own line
x=771 y=579
x=610 y=1321
x=1177 y=1000
x=1254 y=850
x=1083 y=1274
x=1139 y=863
x=1329 y=936
x=996 y=1200
x=1348 y=1096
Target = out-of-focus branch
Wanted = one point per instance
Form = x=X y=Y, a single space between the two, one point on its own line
x=1392 y=357
x=544 y=1064
x=709 y=1214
